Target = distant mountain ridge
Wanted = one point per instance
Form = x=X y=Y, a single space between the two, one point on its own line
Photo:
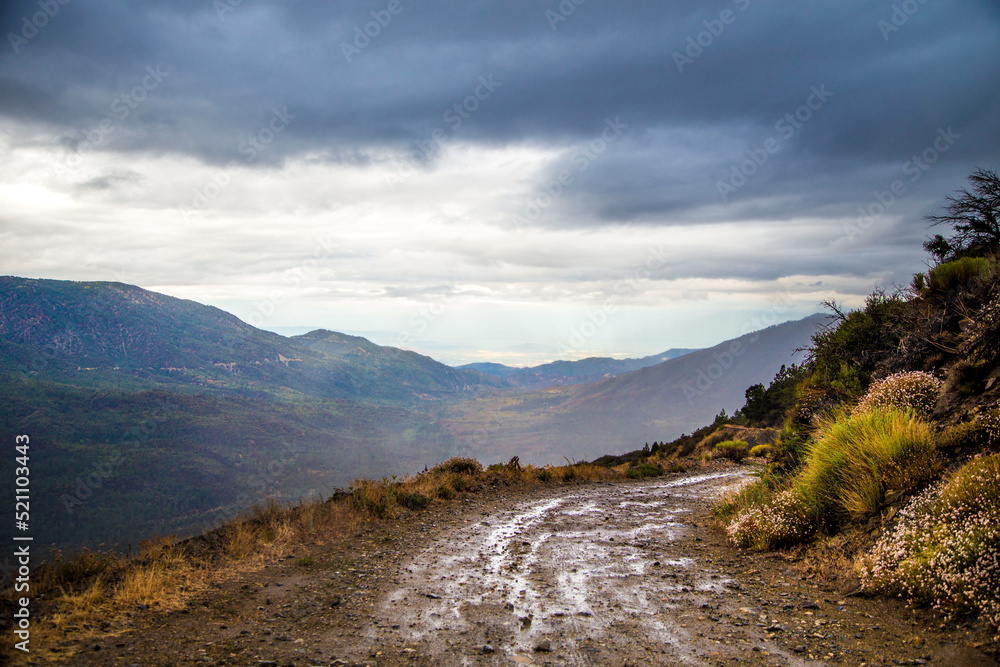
x=659 y=402
x=52 y=328
x=565 y=373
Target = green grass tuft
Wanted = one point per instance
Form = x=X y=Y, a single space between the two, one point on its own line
x=643 y=470
x=848 y=468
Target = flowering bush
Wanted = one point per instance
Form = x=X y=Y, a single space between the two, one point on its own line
x=782 y=519
x=915 y=390
x=990 y=422
x=945 y=549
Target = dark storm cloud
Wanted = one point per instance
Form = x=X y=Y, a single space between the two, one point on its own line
x=564 y=69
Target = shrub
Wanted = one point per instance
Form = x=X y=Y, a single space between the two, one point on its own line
x=444 y=492
x=459 y=483
x=734 y=450
x=460 y=465
x=848 y=469
x=760 y=451
x=960 y=437
x=374 y=497
x=945 y=549
x=414 y=501
x=770 y=520
x=854 y=460
x=915 y=390
x=544 y=474
x=643 y=470
x=843 y=358
x=990 y=423
x=959 y=274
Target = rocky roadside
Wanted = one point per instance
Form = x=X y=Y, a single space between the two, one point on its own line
x=680 y=595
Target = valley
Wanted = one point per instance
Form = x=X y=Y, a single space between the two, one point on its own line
x=164 y=416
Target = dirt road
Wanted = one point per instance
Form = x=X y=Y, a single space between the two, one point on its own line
x=601 y=575
x=594 y=574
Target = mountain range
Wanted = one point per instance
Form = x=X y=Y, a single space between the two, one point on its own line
x=655 y=403
x=562 y=373
x=152 y=414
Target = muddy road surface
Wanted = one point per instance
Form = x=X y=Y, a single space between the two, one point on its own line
x=625 y=573
x=601 y=575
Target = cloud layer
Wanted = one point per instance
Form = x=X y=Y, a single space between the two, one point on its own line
x=363 y=159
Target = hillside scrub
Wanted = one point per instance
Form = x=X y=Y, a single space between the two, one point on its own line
x=734 y=450
x=952 y=276
x=915 y=390
x=872 y=423
x=849 y=466
x=853 y=461
x=945 y=549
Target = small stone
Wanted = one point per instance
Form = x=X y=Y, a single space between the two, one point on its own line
x=487 y=649
x=543 y=646
x=799 y=649
x=433 y=596
x=808 y=604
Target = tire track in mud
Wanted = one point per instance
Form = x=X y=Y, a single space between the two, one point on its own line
x=606 y=574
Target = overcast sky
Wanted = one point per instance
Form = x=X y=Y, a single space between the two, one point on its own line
x=495 y=180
